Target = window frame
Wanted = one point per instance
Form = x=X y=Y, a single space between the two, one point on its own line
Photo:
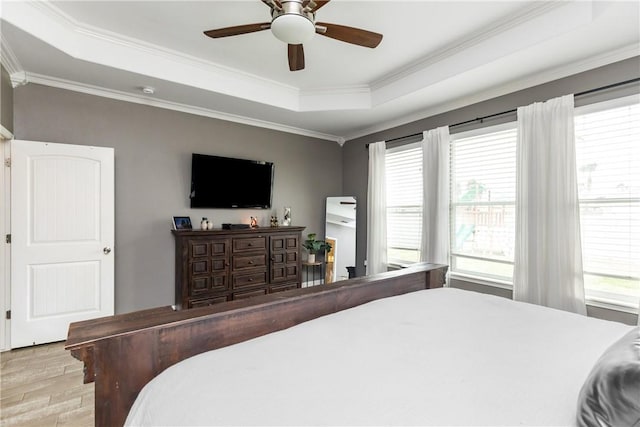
x=595 y=297
x=400 y=263
x=499 y=281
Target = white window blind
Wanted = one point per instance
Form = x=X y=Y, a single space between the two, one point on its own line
x=404 y=203
x=483 y=176
x=608 y=163
x=482 y=207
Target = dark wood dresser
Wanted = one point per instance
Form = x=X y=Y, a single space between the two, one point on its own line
x=214 y=266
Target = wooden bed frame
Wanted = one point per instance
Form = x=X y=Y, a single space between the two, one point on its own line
x=124 y=352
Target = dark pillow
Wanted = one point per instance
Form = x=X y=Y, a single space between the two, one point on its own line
x=611 y=394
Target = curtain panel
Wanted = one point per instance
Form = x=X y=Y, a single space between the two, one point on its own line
x=377 y=210
x=548 y=252
x=435 y=202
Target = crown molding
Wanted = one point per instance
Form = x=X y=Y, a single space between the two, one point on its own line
x=516 y=32
x=469 y=41
x=104 y=48
x=169 y=105
x=8 y=58
x=5 y=134
x=92 y=44
x=136 y=44
x=547 y=76
x=99 y=46
x=18 y=79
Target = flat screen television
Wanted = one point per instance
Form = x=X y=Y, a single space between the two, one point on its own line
x=226 y=183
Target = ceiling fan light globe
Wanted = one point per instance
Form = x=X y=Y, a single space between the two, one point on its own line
x=293 y=28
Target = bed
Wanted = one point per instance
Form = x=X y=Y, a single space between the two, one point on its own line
x=392 y=349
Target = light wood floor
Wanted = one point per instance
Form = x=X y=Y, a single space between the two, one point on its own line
x=42 y=386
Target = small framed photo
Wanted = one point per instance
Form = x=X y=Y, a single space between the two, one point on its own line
x=181 y=223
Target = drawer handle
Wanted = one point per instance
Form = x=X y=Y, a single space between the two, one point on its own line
x=250 y=262
x=251 y=279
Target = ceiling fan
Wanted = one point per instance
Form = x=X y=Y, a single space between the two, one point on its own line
x=294 y=22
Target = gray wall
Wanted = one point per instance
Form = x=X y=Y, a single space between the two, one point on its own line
x=6 y=100
x=355 y=157
x=153 y=149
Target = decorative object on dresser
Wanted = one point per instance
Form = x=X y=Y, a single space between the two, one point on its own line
x=206 y=224
x=181 y=223
x=286 y=220
x=314 y=246
x=227 y=226
x=223 y=265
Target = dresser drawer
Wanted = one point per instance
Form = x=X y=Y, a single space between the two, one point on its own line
x=249 y=261
x=249 y=280
x=249 y=244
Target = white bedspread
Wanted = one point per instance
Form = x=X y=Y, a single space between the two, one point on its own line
x=434 y=357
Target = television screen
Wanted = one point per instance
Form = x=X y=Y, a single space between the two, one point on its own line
x=224 y=182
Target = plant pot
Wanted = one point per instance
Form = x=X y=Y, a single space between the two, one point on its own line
x=311 y=258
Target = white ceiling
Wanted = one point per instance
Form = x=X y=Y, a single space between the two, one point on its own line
x=435 y=56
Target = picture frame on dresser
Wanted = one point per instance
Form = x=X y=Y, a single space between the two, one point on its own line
x=182 y=223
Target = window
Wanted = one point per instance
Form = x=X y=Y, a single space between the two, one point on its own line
x=482 y=204
x=404 y=203
x=608 y=165
x=482 y=209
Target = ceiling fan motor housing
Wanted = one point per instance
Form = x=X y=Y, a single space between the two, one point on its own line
x=292 y=24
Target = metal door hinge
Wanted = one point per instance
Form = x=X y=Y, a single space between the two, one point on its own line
x=7 y=162
x=7 y=238
x=8 y=314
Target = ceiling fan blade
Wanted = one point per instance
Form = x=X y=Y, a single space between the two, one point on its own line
x=319 y=4
x=296 y=57
x=238 y=29
x=349 y=34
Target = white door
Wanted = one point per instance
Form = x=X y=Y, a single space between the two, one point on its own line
x=62 y=236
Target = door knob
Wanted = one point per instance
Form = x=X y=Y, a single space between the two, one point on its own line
x=106 y=250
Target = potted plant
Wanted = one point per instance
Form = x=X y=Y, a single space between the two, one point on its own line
x=313 y=246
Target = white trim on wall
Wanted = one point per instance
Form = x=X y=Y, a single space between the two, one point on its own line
x=25 y=78
x=5 y=253
x=5 y=134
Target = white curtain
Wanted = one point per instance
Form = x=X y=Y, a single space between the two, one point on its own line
x=548 y=252
x=435 y=206
x=377 y=210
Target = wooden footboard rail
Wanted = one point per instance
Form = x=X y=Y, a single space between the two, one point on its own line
x=124 y=352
